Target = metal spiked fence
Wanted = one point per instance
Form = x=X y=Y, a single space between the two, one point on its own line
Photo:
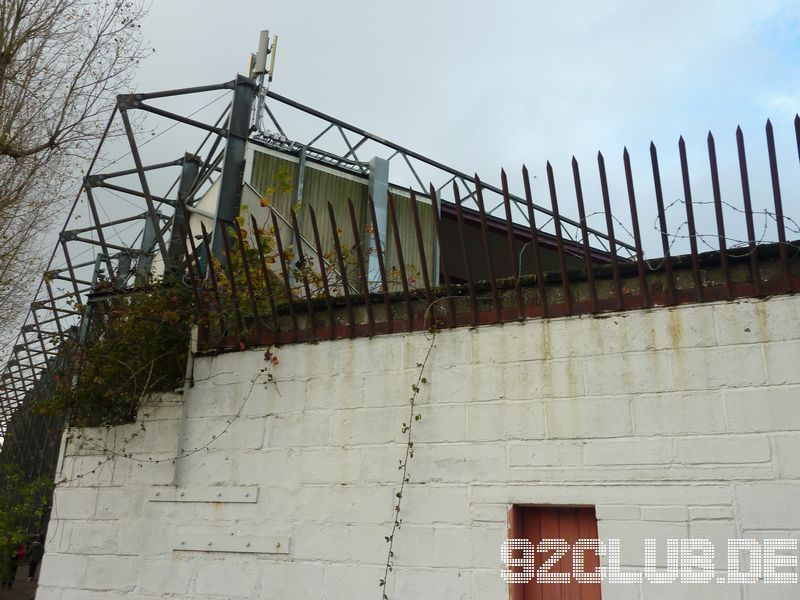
x=346 y=303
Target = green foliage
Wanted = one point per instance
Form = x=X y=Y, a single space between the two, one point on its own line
x=138 y=344
x=21 y=500
x=281 y=184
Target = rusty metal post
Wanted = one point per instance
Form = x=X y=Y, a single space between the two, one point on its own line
x=776 y=194
x=534 y=241
x=687 y=192
x=662 y=221
x=637 y=238
x=723 y=247
x=562 y=261
x=587 y=255
x=512 y=255
x=748 y=212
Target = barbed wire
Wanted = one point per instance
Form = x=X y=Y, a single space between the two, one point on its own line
x=789 y=224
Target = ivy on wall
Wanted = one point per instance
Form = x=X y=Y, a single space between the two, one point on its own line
x=138 y=344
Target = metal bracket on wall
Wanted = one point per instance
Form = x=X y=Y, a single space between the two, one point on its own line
x=242 y=495
x=246 y=544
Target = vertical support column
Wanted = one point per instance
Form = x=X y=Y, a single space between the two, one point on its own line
x=378 y=191
x=230 y=191
x=150 y=237
x=123 y=269
x=175 y=250
x=88 y=314
x=298 y=197
x=436 y=203
x=301 y=176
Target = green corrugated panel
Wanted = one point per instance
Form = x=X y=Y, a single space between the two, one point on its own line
x=408 y=240
x=321 y=187
x=265 y=168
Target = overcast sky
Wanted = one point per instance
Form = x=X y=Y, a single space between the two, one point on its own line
x=486 y=84
x=482 y=85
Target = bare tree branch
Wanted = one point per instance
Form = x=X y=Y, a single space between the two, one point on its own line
x=62 y=63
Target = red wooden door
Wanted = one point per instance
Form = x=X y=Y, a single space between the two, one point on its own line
x=570 y=523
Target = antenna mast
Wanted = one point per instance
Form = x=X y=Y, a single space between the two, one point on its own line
x=261 y=74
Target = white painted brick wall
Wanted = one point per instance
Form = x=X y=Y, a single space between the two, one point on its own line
x=671 y=422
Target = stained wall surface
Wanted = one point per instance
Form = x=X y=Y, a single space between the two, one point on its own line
x=673 y=423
